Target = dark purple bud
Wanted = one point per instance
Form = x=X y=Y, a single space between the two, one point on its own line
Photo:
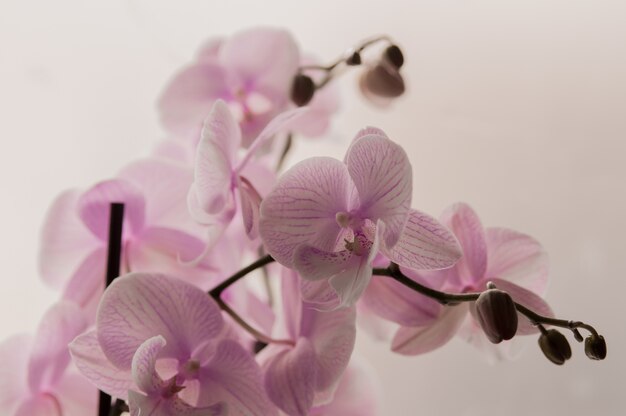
x=302 y=89
x=595 y=347
x=394 y=55
x=555 y=346
x=497 y=315
x=354 y=59
x=382 y=80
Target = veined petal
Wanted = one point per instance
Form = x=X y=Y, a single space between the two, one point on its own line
x=419 y=340
x=290 y=378
x=466 y=226
x=157 y=406
x=393 y=301
x=518 y=258
x=50 y=355
x=315 y=264
x=215 y=158
x=65 y=240
x=139 y=306
x=425 y=244
x=302 y=208
x=232 y=376
x=188 y=97
x=263 y=57
x=320 y=294
x=382 y=174
x=94 y=206
x=95 y=366
x=143 y=367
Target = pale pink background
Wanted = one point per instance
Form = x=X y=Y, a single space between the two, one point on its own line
x=517 y=107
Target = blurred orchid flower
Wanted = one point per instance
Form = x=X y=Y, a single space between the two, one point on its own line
x=299 y=377
x=514 y=262
x=220 y=174
x=252 y=71
x=158 y=233
x=327 y=219
x=161 y=343
x=34 y=374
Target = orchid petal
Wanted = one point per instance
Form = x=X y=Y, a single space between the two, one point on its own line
x=76 y=396
x=333 y=335
x=88 y=357
x=302 y=208
x=165 y=185
x=50 y=355
x=250 y=205
x=87 y=283
x=461 y=219
x=166 y=250
x=40 y=405
x=157 y=406
x=188 y=97
x=393 y=301
x=315 y=264
x=232 y=376
x=14 y=357
x=215 y=156
x=65 y=240
x=143 y=368
x=264 y=57
x=518 y=258
x=320 y=294
x=419 y=340
x=94 y=206
x=382 y=174
x=281 y=123
x=425 y=244
x=290 y=378
x=140 y=306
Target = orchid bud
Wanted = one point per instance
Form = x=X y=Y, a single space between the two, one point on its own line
x=394 y=55
x=595 y=347
x=382 y=80
x=302 y=89
x=354 y=59
x=555 y=346
x=497 y=315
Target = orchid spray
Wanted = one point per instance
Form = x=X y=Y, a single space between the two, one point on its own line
x=181 y=331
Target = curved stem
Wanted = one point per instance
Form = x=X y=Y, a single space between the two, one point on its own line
x=446 y=298
x=252 y=331
x=217 y=290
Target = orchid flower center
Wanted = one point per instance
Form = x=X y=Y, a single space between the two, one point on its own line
x=189 y=370
x=171 y=388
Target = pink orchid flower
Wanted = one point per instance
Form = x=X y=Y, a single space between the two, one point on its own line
x=298 y=377
x=34 y=375
x=158 y=231
x=161 y=343
x=253 y=72
x=515 y=262
x=220 y=174
x=327 y=219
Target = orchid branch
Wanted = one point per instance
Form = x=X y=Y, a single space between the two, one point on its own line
x=446 y=298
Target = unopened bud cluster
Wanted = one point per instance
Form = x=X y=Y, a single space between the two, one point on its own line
x=380 y=80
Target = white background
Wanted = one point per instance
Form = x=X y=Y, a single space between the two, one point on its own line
x=517 y=107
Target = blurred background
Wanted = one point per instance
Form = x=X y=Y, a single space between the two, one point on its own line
x=515 y=107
